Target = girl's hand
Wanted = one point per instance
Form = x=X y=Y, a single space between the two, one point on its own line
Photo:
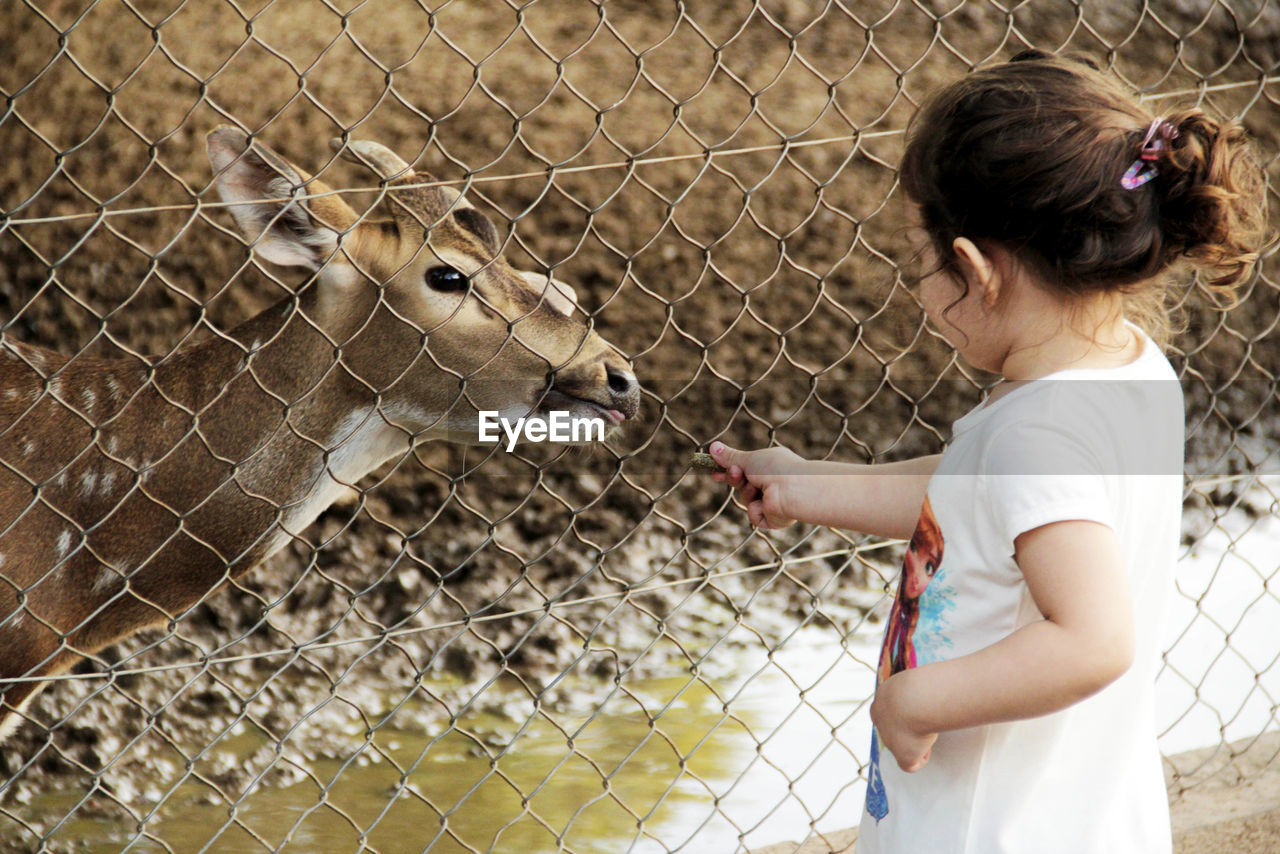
x=890 y=714
x=766 y=481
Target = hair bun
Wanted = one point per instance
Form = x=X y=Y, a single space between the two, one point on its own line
x=1212 y=203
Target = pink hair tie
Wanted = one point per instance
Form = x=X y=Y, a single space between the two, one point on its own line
x=1144 y=168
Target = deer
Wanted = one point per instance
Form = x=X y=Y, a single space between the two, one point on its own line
x=131 y=488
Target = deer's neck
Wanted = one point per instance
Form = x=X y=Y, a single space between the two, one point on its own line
x=277 y=418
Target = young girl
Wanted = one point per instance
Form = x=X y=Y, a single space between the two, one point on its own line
x=1015 y=696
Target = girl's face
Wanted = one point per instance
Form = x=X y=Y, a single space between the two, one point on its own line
x=918 y=568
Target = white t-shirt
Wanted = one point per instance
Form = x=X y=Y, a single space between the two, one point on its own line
x=1097 y=445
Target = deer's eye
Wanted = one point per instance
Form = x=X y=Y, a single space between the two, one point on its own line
x=446 y=280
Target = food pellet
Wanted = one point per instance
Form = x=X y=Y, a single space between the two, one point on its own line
x=702 y=460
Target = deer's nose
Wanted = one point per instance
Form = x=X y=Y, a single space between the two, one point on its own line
x=606 y=381
x=621 y=382
x=624 y=389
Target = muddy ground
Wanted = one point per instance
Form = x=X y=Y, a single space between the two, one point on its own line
x=758 y=292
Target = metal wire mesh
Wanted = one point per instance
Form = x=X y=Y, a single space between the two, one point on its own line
x=551 y=649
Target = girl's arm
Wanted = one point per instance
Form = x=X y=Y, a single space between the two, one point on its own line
x=778 y=488
x=1077 y=578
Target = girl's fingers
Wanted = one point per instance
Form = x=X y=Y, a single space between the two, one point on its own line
x=732 y=476
x=750 y=495
x=723 y=454
x=774 y=522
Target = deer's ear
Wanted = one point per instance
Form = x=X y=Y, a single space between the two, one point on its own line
x=256 y=181
x=558 y=295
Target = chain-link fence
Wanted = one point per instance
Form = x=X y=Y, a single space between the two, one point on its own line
x=552 y=648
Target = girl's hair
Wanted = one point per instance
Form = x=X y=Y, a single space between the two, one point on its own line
x=1029 y=155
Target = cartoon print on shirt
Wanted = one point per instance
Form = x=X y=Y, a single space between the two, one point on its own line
x=920 y=564
x=931 y=639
